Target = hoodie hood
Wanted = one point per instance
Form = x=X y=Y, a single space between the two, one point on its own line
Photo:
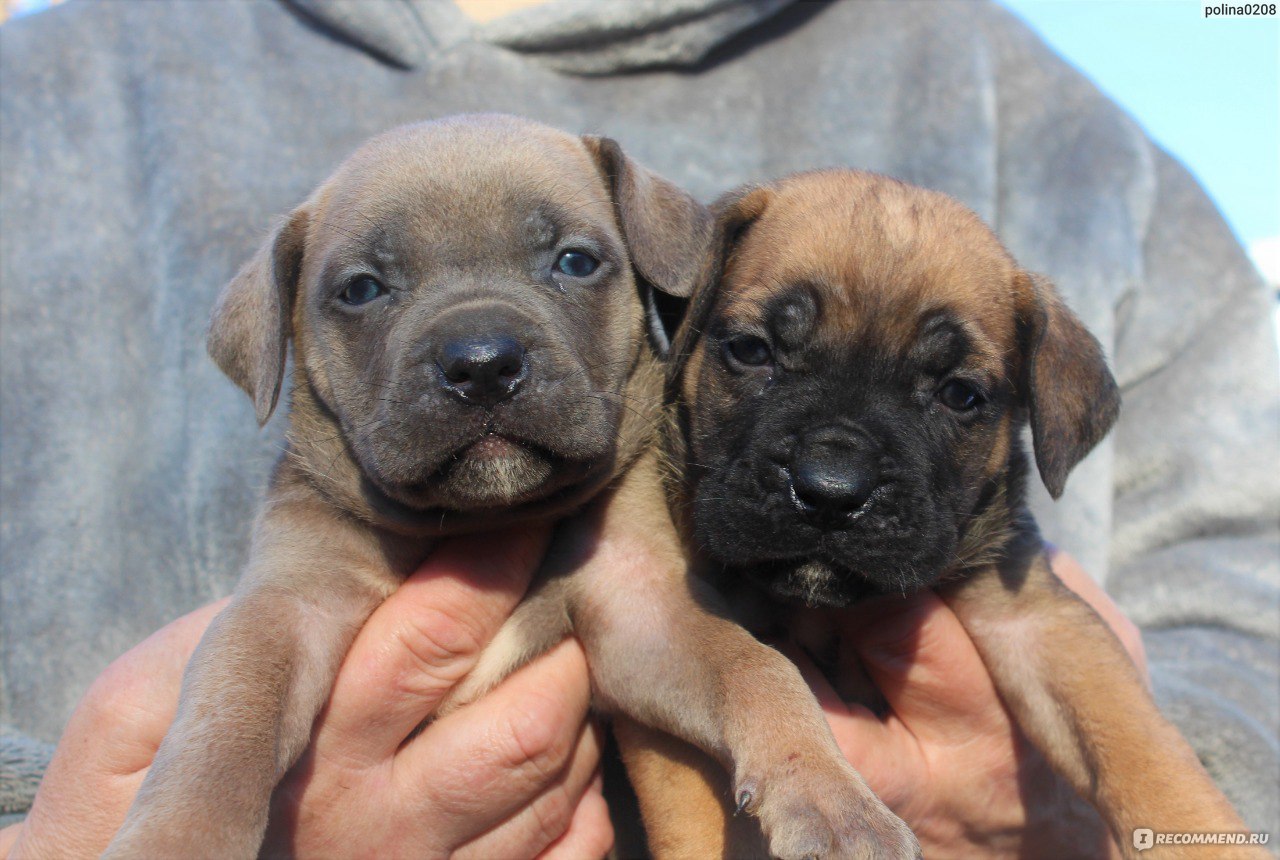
x=584 y=37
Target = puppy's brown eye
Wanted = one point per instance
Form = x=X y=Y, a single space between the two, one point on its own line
x=361 y=291
x=749 y=350
x=576 y=264
x=960 y=396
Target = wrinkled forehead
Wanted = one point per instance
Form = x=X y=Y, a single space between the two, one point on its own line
x=465 y=187
x=888 y=265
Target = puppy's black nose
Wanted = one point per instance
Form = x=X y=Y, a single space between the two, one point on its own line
x=482 y=370
x=833 y=481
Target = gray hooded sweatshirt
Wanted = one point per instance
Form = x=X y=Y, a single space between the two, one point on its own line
x=145 y=147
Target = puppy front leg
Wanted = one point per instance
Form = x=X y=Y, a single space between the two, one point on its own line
x=1077 y=695
x=659 y=654
x=255 y=683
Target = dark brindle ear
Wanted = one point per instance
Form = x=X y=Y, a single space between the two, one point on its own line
x=249 y=333
x=1071 y=395
x=734 y=212
x=666 y=232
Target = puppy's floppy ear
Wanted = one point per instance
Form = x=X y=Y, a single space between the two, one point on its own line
x=250 y=330
x=665 y=229
x=1071 y=395
x=734 y=213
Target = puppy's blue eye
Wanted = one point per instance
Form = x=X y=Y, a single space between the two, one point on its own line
x=576 y=264
x=960 y=396
x=749 y=350
x=361 y=291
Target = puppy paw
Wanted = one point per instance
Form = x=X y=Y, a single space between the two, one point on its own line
x=826 y=814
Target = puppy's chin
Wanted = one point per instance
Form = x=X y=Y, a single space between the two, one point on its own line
x=812 y=582
x=494 y=472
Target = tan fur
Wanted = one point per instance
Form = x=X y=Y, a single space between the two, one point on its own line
x=1081 y=701
x=878 y=251
x=886 y=255
x=684 y=791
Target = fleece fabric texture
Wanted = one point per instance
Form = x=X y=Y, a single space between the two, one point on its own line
x=145 y=147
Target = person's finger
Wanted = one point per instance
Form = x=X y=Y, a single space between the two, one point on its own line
x=546 y=818
x=484 y=762
x=422 y=640
x=928 y=669
x=590 y=833
x=1078 y=580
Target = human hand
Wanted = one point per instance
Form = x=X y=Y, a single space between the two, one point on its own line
x=512 y=775
x=947 y=757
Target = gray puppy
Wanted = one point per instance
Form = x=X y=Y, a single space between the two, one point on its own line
x=468 y=302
